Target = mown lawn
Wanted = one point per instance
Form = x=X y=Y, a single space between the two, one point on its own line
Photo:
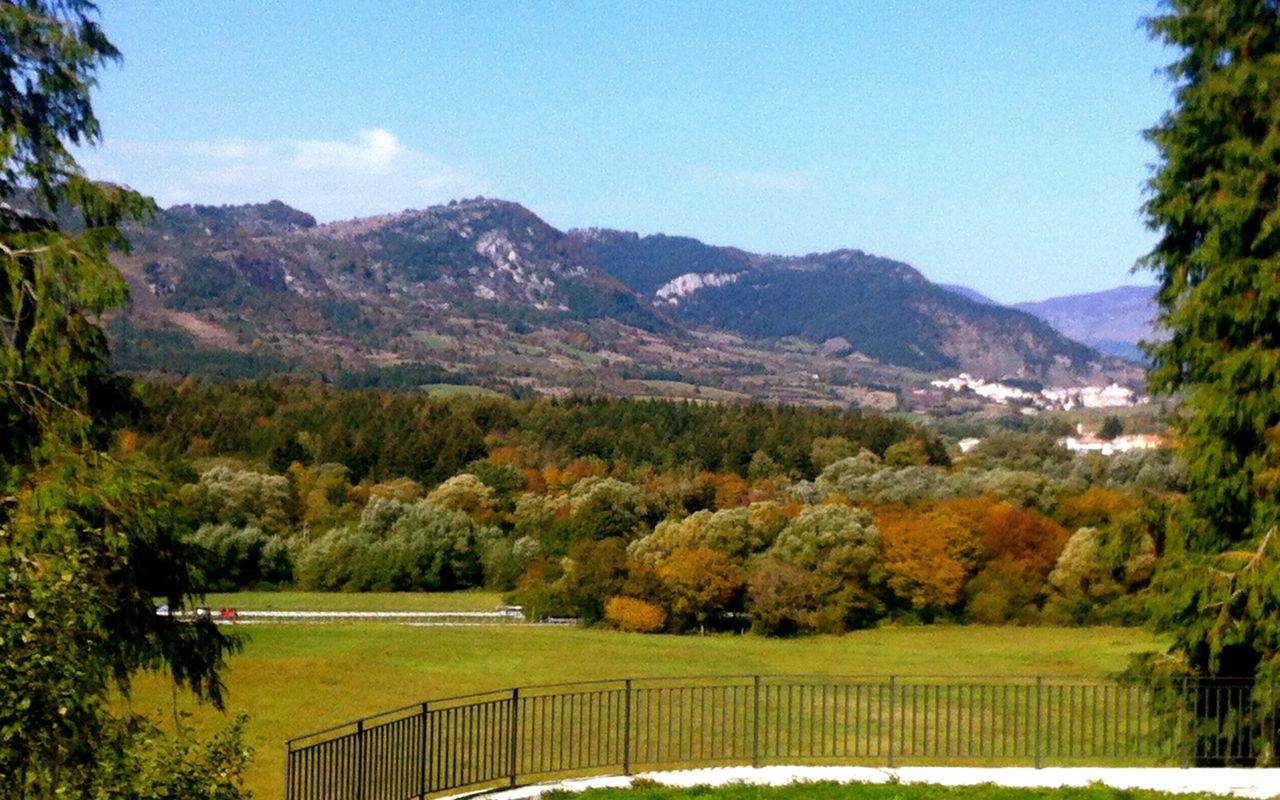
x=297 y=678
x=869 y=791
x=352 y=601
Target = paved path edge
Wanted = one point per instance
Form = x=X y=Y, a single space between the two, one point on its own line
x=1253 y=783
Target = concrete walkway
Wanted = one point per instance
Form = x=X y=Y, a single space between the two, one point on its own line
x=1260 y=783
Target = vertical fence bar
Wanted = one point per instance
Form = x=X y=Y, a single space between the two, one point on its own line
x=513 y=736
x=422 y=767
x=893 y=690
x=755 y=722
x=1180 y=698
x=1036 y=735
x=626 y=727
x=359 y=770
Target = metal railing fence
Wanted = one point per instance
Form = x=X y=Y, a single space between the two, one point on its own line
x=538 y=732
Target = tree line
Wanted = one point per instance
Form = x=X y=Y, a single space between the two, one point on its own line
x=580 y=505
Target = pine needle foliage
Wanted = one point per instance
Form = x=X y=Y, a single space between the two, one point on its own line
x=1214 y=200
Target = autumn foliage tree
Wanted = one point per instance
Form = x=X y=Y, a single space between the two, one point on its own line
x=1015 y=549
x=929 y=556
x=702 y=584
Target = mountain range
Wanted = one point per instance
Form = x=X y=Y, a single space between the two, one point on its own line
x=484 y=292
x=1113 y=322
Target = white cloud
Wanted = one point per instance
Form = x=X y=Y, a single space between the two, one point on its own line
x=370 y=173
x=373 y=152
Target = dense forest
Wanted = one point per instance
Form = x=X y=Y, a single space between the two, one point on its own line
x=654 y=515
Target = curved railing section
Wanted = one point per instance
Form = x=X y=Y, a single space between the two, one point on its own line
x=532 y=733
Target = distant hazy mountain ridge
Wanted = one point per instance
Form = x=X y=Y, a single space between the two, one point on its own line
x=1113 y=321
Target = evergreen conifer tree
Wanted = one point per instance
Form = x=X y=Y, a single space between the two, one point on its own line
x=1214 y=200
x=87 y=537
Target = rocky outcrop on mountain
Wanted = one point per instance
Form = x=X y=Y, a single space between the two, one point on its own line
x=481 y=258
x=484 y=290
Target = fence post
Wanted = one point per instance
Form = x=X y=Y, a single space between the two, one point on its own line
x=893 y=691
x=513 y=737
x=755 y=725
x=626 y=727
x=288 y=783
x=360 y=759
x=426 y=753
x=1037 y=734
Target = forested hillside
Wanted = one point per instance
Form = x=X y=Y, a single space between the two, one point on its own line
x=655 y=515
x=879 y=307
x=483 y=292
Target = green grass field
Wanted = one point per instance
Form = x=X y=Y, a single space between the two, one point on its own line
x=293 y=679
x=457 y=390
x=868 y=791
x=351 y=601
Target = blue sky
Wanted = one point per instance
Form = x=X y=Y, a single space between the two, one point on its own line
x=992 y=144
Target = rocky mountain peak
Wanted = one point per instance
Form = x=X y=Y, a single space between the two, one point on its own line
x=252 y=219
x=430 y=285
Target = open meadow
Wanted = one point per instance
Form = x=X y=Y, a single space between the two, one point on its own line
x=355 y=601
x=293 y=679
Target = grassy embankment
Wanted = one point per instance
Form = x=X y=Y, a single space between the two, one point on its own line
x=296 y=678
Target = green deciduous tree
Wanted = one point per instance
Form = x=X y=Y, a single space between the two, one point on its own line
x=842 y=548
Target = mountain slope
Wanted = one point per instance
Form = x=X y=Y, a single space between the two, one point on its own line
x=972 y=294
x=881 y=308
x=1113 y=321
x=484 y=292
x=476 y=257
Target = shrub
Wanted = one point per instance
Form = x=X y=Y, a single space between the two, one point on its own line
x=780 y=599
x=540 y=602
x=634 y=615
